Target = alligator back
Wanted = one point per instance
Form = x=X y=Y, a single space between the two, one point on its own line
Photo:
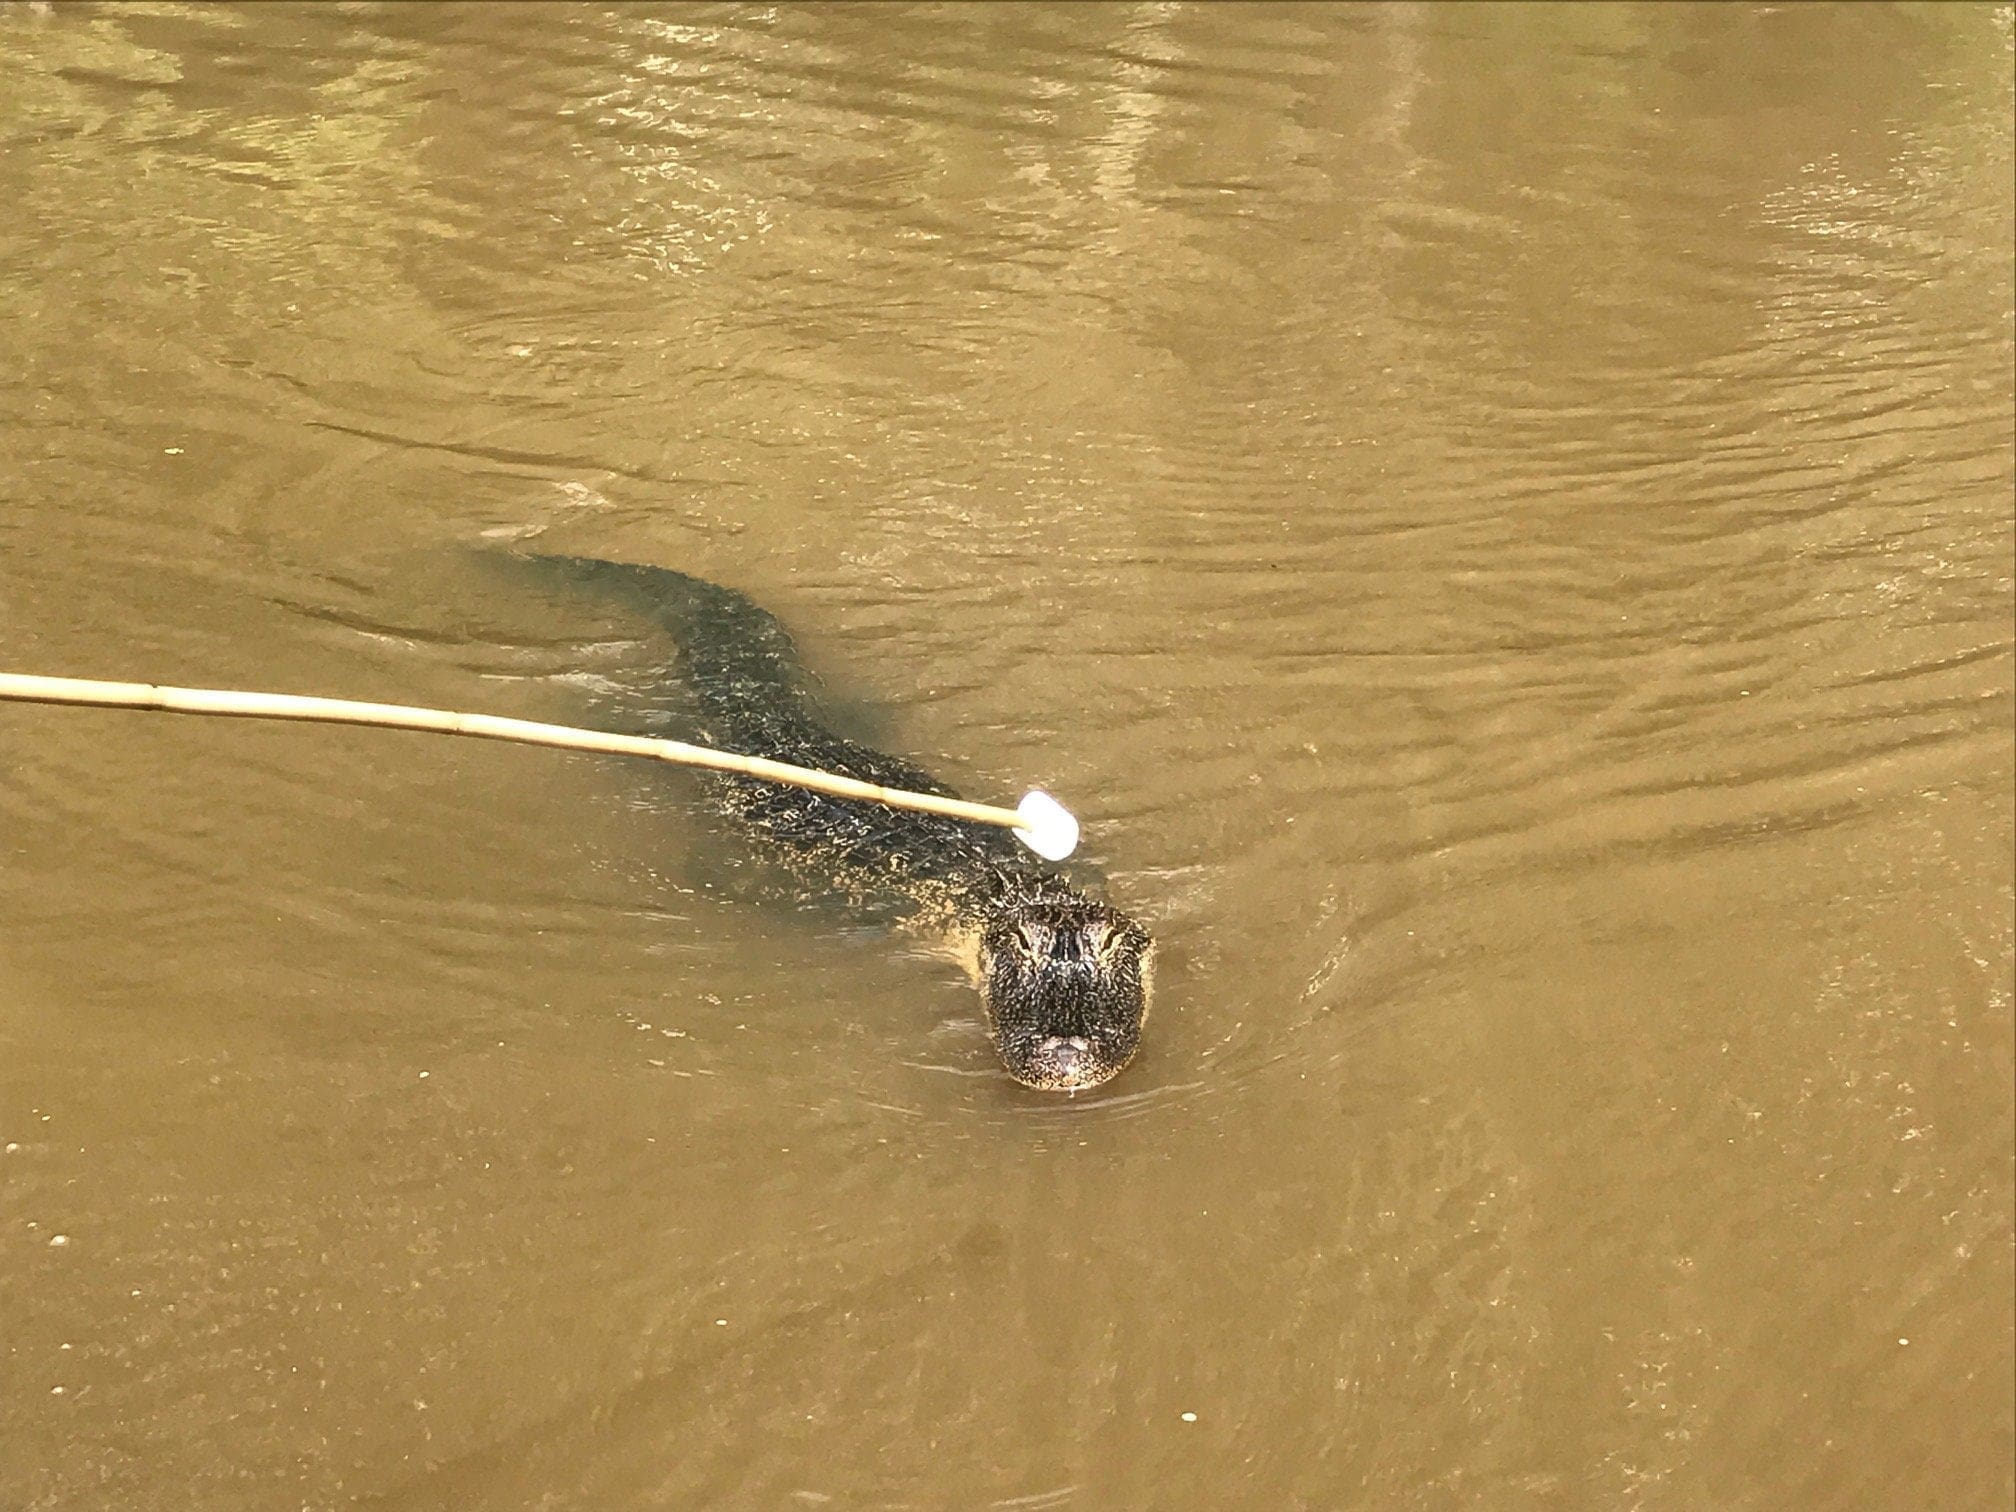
x=749 y=693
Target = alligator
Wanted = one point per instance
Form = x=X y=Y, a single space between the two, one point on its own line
x=1064 y=976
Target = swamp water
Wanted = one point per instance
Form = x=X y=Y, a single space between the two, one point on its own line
x=1498 y=518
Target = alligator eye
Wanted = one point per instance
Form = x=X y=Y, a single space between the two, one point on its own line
x=1029 y=939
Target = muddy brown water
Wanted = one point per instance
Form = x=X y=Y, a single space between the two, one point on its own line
x=1498 y=518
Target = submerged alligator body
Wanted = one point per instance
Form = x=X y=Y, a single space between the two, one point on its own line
x=1064 y=976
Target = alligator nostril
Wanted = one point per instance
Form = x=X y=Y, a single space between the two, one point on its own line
x=1065 y=1053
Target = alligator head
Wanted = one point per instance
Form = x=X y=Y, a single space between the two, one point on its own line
x=1066 y=986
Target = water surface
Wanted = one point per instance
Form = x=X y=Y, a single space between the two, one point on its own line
x=1499 y=519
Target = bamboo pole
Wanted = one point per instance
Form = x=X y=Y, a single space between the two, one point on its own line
x=1036 y=822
